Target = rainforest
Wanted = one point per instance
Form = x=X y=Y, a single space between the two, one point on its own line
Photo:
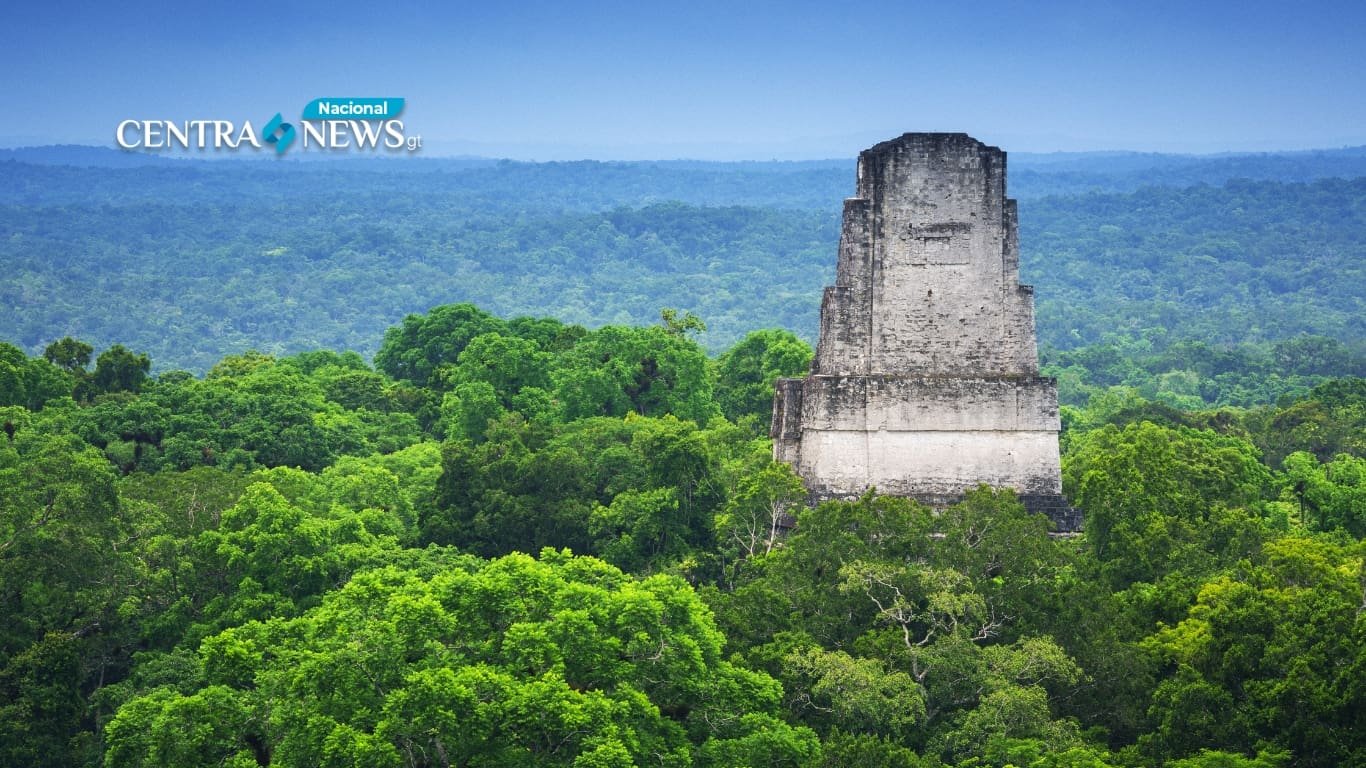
x=466 y=463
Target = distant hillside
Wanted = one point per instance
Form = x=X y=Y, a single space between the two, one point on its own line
x=1246 y=261
x=1069 y=173
x=485 y=184
x=81 y=156
x=190 y=261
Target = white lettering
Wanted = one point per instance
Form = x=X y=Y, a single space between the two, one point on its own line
x=177 y=134
x=225 y=134
x=336 y=135
x=367 y=134
x=222 y=133
x=249 y=133
x=313 y=132
x=151 y=134
x=352 y=109
x=394 y=134
x=121 y=137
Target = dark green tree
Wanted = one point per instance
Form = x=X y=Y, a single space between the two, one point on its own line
x=415 y=350
x=745 y=372
x=119 y=370
x=69 y=354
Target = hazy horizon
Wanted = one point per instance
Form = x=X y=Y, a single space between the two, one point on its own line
x=457 y=151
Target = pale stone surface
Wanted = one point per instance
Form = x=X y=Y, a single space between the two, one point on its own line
x=925 y=381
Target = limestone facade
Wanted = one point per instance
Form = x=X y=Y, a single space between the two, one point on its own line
x=926 y=378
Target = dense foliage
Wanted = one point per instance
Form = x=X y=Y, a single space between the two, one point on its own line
x=521 y=542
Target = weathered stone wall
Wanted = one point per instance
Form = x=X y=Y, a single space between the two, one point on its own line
x=889 y=402
x=928 y=272
x=925 y=380
x=787 y=421
x=920 y=436
x=846 y=463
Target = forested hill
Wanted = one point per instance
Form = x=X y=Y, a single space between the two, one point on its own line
x=189 y=261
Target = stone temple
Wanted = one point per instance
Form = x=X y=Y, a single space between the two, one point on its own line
x=926 y=377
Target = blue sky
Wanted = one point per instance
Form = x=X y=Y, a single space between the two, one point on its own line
x=713 y=80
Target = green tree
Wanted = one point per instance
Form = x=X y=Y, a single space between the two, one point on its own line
x=841 y=749
x=1329 y=495
x=557 y=661
x=13 y=366
x=69 y=354
x=856 y=695
x=1269 y=653
x=415 y=350
x=65 y=569
x=1218 y=759
x=1158 y=499
x=617 y=370
x=758 y=513
x=746 y=372
x=686 y=325
x=1330 y=420
x=508 y=364
x=119 y=370
x=467 y=412
x=880 y=611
